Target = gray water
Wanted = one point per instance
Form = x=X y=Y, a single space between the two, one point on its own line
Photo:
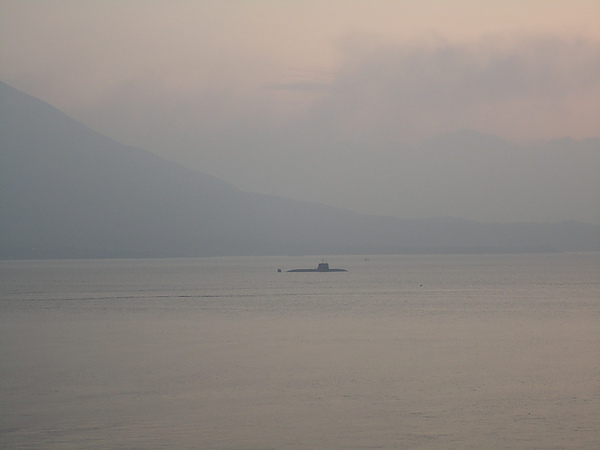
x=469 y=351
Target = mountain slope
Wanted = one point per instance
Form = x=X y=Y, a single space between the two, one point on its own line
x=68 y=192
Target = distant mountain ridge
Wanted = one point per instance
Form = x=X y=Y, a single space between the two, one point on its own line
x=69 y=192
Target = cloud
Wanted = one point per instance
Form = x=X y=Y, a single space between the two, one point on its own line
x=302 y=86
x=522 y=87
x=414 y=90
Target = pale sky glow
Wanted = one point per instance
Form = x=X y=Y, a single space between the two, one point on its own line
x=249 y=90
x=76 y=54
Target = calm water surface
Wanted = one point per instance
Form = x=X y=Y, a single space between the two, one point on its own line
x=469 y=351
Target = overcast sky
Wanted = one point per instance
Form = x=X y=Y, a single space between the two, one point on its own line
x=323 y=100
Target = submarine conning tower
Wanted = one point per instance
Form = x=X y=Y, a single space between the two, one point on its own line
x=323 y=267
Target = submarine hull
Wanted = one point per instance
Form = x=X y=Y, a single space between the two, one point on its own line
x=322 y=267
x=317 y=270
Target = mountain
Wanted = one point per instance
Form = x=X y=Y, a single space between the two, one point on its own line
x=69 y=192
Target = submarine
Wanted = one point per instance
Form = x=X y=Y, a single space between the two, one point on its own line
x=322 y=267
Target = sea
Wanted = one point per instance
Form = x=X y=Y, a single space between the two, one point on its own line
x=490 y=351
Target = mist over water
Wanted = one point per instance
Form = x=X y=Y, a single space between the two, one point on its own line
x=469 y=351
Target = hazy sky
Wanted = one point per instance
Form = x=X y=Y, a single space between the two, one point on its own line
x=303 y=98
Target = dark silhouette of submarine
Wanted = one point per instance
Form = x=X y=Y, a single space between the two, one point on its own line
x=322 y=267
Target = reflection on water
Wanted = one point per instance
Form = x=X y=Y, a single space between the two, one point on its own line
x=485 y=351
